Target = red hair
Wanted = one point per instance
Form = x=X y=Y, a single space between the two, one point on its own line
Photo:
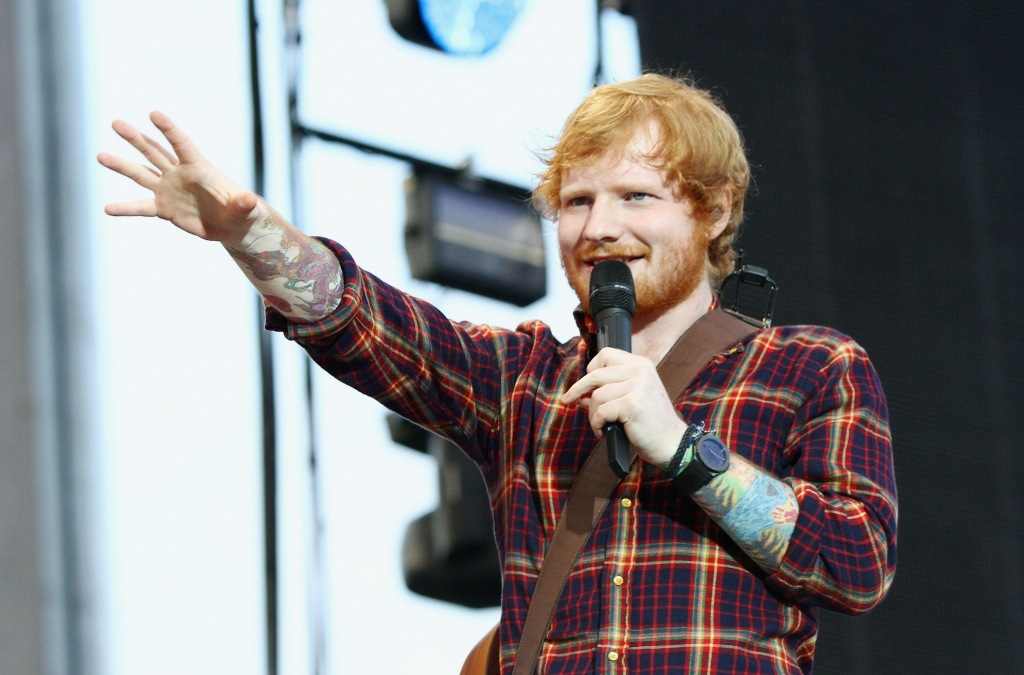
x=698 y=146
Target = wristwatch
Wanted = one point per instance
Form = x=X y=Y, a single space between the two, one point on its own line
x=710 y=457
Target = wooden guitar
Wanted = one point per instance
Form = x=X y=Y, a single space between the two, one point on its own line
x=483 y=659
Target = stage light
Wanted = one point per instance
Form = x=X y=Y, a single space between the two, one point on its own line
x=475 y=235
x=449 y=554
x=459 y=27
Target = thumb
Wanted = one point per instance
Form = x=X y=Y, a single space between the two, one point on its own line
x=244 y=203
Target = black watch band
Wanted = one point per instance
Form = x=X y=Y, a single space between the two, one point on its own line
x=692 y=431
x=710 y=458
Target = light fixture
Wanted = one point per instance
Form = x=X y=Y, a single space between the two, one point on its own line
x=458 y=27
x=476 y=235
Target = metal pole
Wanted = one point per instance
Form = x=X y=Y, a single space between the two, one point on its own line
x=266 y=371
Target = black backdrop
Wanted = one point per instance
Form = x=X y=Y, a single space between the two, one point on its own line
x=889 y=159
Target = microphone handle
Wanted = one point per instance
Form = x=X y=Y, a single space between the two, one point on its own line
x=618 y=449
x=615 y=329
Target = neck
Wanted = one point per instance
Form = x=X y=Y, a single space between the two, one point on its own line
x=654 y=336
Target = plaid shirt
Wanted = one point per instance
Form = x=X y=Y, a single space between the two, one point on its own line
x=659 y=587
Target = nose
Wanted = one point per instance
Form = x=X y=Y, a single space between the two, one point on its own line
x=603 y=223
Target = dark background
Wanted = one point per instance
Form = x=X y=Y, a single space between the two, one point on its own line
x=888 y=161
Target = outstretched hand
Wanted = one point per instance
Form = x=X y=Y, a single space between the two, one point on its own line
x=187 y=189
x=624 y=387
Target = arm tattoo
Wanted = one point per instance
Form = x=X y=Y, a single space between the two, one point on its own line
x=296 y=274
x=757 y=510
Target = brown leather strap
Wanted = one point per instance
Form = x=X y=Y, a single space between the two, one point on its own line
x=712 y=334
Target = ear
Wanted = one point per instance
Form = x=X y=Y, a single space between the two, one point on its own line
x=721 y=213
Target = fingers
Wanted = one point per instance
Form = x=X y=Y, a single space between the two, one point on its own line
x=598 y=378
x=149 y=149
x=143 y=175
x=609 y=356
x=139 y=207
x=164 y=151
x=176 y=137
x=610 y=404
x=619 y=400
x=651 y=423
x=611 y=399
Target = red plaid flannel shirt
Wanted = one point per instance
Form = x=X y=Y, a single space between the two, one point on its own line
x=659 y=588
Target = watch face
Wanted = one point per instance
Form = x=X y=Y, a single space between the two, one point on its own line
x=713 y=453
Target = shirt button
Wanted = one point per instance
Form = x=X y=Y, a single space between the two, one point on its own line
x=613 y=656
x=618 y=580
x=626 y=503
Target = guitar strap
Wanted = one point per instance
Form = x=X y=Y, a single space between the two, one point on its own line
x=712 y=334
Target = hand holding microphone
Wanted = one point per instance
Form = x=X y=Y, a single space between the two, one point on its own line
x=622 y=390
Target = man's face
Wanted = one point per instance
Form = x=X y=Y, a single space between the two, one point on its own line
x=624 y=209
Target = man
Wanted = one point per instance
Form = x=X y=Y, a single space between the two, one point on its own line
x=726 y=579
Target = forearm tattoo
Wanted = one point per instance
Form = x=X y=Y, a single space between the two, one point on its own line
x=757 y=510
x=296 y=274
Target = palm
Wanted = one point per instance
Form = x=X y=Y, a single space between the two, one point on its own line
x=187 y=190
x=197 y=198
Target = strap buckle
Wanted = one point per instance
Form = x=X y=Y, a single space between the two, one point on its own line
x=751 y=276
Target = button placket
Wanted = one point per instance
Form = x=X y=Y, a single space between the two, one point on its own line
x=613 y=638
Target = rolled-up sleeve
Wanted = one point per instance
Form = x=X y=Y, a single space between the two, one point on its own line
x=327 y=328
x=842 y=554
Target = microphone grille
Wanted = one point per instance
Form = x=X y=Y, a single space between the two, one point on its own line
x=611 y=285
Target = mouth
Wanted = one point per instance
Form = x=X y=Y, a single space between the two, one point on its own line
x=590 y=262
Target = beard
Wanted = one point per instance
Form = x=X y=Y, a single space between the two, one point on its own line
x=665 y=281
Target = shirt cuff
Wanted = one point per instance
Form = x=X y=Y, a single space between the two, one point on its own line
x=327 y=329
x=795 y=577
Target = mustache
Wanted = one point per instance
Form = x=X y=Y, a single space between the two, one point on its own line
x=596 y=252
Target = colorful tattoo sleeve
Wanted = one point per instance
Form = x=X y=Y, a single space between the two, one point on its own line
x=757 y=510
x=295 y=274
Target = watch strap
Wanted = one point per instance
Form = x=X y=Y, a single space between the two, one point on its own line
x=679 y=460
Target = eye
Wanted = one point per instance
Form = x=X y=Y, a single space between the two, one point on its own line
x=577 y=201
x=637 y=196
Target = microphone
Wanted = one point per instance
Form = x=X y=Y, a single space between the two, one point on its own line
x=612 y=304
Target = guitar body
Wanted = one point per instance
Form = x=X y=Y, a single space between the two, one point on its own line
x=483 y=659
